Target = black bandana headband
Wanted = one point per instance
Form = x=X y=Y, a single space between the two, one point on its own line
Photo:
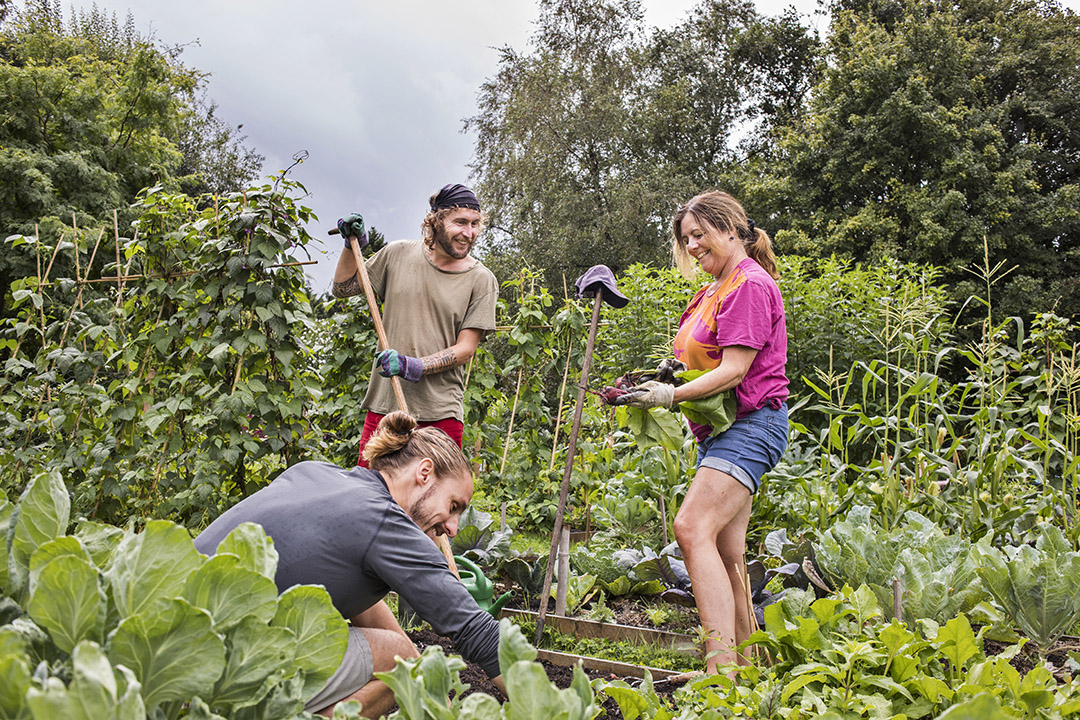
x=455 y=196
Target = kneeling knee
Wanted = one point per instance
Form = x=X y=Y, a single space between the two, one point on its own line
x=406 y=649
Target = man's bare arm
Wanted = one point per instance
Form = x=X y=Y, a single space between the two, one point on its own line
x=346 y=276
x=457 y=354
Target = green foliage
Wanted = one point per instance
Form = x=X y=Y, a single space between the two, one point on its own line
x=95 y=113
x=143 y=623
x=937 y=572
x=579 y=590
x=200 y=375
x=421 y=687
x=1035 y=585
x=596 y=561
x=479 y=540
x=921 y=142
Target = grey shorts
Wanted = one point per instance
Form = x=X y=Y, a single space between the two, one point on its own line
x=354 y=673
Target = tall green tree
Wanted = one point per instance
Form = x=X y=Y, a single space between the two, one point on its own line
x=587 y=142
x=940 y=126
x=92 y=115
x=553 y=154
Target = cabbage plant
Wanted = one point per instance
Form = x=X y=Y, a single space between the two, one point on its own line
x=1036 y=586
x=110 y=623
x=937 y=572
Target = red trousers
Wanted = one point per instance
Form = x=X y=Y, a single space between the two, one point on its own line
x=451 y=426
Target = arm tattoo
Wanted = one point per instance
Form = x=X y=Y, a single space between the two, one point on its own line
x=440 y=362
x=347 y=288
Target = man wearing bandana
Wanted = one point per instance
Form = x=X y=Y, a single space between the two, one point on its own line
x=438 y=304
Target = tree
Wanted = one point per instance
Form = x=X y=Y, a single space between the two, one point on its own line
x=553 y=154
x=92 y=115
x=587 y=143
x=938 y=126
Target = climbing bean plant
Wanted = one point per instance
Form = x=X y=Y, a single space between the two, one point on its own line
x=182 y=383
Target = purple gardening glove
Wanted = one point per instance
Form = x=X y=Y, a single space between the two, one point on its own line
x=391 y=363
x=352 y=225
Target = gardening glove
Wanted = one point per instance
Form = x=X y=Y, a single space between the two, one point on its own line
x=668 y=369
x=352 y=225
x=391 y=363
x=610 y=395
x=648 y=395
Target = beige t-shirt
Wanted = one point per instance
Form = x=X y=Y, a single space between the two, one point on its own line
x=424 y=310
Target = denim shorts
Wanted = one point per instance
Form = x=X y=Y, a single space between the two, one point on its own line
x=749 y=448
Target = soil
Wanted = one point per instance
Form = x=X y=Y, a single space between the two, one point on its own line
x=478 y=680
x=624 y=611
x=1028 y=657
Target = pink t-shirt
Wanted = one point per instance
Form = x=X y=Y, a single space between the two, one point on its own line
x=745 y=310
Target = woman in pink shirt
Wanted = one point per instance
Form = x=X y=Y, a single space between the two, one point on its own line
x=734 y=328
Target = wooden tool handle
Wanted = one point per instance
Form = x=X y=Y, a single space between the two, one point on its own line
x=373 y=304
x=395 y=381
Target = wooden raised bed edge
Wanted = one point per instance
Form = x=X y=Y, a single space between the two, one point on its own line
x=609 y=666
x=679 y=642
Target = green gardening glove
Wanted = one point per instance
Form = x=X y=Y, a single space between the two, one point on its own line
x=352 y=225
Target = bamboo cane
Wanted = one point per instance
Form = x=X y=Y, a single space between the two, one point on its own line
x=571 y=450
x=510 y=429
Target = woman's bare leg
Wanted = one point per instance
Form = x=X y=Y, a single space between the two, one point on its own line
x=711 y=531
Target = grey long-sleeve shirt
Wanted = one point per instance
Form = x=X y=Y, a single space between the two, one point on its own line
x=342 y=529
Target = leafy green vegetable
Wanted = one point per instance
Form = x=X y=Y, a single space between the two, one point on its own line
x=255 y=652
x=430 y=687
x=216 y=585
x=41 y=515
x=150 y=566
x=654 y=426
x=253 y=546
x=528 y=576
x=68 y=601
x=184 y=635
x=173 y=650
x=717 y=410
x=479 y=540
x=579 y=589
x=1036 y=586
x=97 y=690
x=936 y=571
x=321 y=634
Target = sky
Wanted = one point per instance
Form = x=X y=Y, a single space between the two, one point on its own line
x=376 y=92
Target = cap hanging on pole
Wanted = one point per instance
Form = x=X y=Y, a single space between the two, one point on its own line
x=599 y=283
x=599 y=278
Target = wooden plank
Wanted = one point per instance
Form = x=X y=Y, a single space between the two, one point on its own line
x=608 y=666
x=579 y=627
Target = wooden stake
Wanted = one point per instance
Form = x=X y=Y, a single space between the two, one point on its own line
x=75 y=239
x=564 y=573
x=169 y=276
x=510 y=429
x=116 y=237
x=562 y=389
x=560 y=511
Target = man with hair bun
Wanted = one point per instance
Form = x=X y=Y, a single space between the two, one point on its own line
x=361 y=533
x=439 y=303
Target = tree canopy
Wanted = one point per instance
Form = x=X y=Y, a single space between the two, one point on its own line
x=942 y=132
x=929 y=131
x=94 y=113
